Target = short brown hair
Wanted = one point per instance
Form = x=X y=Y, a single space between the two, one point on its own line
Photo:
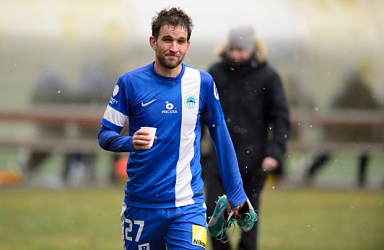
x=173 y=17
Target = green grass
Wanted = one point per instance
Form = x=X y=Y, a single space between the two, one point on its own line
x=70 y=219
x=289 y=219
x=319 y=219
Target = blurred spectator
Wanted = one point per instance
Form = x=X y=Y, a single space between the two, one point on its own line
x=94 y=87
x=257 y=116
x=355 y=95
x=94 y=90
x=51 y=89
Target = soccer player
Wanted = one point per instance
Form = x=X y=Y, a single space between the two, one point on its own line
x=163 y=205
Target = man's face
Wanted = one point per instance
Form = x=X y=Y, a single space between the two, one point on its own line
x=237 y=55
x=171 y=46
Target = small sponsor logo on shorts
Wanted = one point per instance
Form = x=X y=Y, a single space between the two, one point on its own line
x=144 y=246
x=198 y=242
x=199 y=236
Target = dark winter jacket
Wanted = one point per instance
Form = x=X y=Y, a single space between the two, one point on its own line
x=255 y=108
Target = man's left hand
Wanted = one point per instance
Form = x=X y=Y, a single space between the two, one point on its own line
x=269 y=164
x=235 y=209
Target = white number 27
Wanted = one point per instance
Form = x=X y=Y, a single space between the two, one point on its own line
x=129 y=227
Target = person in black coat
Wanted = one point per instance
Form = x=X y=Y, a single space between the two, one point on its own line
x=257 y=116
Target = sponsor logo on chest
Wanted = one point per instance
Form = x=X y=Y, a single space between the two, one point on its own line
x=169 y=108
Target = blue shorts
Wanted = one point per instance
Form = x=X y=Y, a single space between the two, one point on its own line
x=172 y=228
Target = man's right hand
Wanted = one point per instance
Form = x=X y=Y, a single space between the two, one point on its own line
x=141 y=140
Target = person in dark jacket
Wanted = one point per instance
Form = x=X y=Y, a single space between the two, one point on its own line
x=257 y=116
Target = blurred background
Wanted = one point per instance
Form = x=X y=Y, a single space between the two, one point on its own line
x=59 y=61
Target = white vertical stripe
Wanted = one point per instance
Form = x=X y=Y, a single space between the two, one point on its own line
x=190 y=86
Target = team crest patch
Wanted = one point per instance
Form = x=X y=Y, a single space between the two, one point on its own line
x=116 y=90
x=199 y=236
x=190 y=101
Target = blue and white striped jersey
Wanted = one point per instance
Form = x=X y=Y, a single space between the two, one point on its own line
x=168 y=174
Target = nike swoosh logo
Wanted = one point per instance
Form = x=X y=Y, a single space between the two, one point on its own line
x=213 y=220
x=146 y=104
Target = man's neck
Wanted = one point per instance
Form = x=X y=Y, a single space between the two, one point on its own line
x=163 y=71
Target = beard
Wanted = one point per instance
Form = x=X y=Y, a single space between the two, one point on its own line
x=167 y=63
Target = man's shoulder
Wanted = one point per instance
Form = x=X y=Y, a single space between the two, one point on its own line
x=205 y=76
x=137 y=71
x=193 y=68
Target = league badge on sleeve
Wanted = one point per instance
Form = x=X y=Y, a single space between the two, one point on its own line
x=215 y=92
x=116 y=90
